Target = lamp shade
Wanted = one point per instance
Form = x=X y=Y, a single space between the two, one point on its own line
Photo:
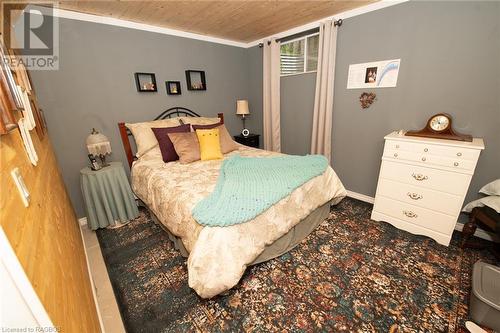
x=242 y=107
x=98 y=144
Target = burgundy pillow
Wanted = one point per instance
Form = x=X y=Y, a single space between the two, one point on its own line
x=166 y=146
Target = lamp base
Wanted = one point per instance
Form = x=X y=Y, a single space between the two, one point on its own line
x=103 y=161
x=245 y=132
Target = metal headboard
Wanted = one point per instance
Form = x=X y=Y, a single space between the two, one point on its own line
x=176 y=111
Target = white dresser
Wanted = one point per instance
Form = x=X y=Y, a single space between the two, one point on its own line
x=423 y=183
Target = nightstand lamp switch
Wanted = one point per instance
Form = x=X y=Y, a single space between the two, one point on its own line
x=23 y=190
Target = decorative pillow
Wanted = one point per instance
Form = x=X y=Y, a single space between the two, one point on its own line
x=492 y=188
x=144 y=138
x=492 y=201
x=209 y=144
x=199 y=120
x=186 y=146
x=167 y=148
x=227 y=143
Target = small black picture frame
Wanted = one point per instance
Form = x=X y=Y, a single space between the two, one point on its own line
x=145 y=82
x=173 y=87
x=196 y=80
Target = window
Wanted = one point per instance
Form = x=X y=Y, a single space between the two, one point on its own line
x=299 y=55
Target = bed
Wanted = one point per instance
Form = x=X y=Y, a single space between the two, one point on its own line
x=218 y=256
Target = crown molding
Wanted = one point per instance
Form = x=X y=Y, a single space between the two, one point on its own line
x=68 y=14
x=343 y=15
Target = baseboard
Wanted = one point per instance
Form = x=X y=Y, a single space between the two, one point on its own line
x=82 y=221
x=359 y=196
x=92 y=285
x=459 y=226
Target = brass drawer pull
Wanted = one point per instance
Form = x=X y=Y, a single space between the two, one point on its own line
x=415 y=196
x=423 y=159
x=395 y=154
x=455 y=164
x=459 y=154
x=419 y=176
x=410 y=214
x=426 y=150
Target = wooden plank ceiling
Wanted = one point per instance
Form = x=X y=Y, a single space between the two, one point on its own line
x=242 y=21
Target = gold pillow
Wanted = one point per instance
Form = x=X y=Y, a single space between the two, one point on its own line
x=227 y=144
x=186 y=145
x=209 y=144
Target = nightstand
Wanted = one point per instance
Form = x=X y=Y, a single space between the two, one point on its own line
x=252 y=140
x=107 y=196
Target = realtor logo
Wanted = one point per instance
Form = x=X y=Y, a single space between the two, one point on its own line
x=32 y=32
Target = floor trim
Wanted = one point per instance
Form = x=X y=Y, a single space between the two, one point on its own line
x=359 y=196
x=92 y=285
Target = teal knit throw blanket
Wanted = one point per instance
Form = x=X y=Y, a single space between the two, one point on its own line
x=247 y=186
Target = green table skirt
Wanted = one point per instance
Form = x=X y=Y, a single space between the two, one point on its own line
x=108 y=196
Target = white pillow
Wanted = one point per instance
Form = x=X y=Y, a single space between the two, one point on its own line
x=491 y=201
x=492 y=188
x=144 y=137
x=199 y=120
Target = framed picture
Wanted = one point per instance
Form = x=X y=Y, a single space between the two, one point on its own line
x=173 y=87
x=14 y=94
x=146 y=82
x=196 y=80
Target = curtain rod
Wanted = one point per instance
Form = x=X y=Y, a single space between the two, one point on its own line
x=336 y=23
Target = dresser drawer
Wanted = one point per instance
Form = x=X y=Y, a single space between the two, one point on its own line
x=422 y=197
x=434 y=160
x=458 y=153
x=440 y=180
x=423 y=217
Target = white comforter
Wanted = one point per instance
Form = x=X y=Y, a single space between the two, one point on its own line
x=219 y=255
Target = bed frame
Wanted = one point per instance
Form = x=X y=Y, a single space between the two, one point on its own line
x=177 y=111
x=282 y=245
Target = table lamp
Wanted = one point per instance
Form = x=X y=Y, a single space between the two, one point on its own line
x=98 y=145
x=242 y=110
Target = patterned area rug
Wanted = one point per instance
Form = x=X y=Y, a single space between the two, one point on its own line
x=350 y=274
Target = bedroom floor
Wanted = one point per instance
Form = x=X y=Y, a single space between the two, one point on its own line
x=350 y=274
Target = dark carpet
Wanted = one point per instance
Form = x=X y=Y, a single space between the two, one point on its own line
x=350 y=274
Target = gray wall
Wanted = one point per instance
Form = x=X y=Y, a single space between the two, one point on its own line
x=95 y=87
x=450 y=62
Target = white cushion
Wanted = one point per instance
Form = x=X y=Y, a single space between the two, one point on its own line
x=144 y=137
x=492 y=201
x=199 y=120
x=492 y=188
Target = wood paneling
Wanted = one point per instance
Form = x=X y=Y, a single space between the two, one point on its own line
x=243 y=21
x=46 y=235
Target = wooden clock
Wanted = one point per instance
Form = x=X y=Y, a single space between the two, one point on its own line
x=439 y=127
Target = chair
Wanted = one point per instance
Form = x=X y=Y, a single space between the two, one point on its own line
x=486 y=217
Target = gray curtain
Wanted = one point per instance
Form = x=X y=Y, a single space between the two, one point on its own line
x=321 y=140
x=271 y=96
